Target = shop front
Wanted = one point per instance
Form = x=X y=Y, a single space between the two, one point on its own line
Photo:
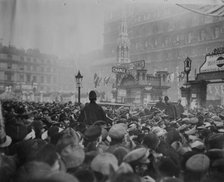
x=208 y=87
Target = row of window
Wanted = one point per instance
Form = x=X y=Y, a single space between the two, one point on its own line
x=4 y=65
x=8 y=76
x=177 y=54
x=213 y=33
x=26 y=59
x=178 y=39
x=42 y=88
x=161 y=26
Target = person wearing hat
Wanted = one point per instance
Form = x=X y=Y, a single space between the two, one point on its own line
x=92 y=111
x=179 y=108
x=72 y=154
x=31 y=171
x=84 y=175
x=48 y=154
x=170 y=109
x=46 y=119
x=102 y=165
x=8 y=167
x=117 y=134
x=165 y=167
x=160 y=104
x=124 y=177
x=197 y=167
x=92 y=136
x=138 y=159
x=166 y=149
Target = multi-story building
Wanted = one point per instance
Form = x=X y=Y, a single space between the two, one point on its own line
x=30 y=72
x=164 y=36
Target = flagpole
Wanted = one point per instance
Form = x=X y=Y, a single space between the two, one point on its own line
x=178 y=82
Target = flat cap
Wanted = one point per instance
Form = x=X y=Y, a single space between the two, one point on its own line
x=118 y=131
x=92 y=133
x=198 y=163
x=139 y=155
x=102 y=163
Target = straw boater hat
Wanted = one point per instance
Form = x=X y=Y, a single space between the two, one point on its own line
x=5 y=140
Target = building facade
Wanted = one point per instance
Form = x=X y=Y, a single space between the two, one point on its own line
x=208 y=86
x=164 y=36
x=133 y=84
x=30 y=74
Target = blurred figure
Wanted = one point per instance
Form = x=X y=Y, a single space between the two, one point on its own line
x=179 y=108
x=170 y=109
x=160 y=104
x=92 y=111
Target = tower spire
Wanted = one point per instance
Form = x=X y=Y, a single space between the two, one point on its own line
x=123 y=29
x=123 y=41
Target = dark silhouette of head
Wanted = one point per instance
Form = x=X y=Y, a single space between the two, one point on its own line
x=92 y=95
x=166 y=99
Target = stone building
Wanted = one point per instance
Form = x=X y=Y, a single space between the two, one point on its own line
x=164 y=36
x=29 y=74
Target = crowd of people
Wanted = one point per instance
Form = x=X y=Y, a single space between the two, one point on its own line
x=55 y=142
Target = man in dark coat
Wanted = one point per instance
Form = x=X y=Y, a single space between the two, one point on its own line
x=160 y=104
x=92 y=111
x=179 y=108
x=170 y=109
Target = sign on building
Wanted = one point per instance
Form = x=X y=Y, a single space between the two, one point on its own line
x=118 y=70
x=213 y=63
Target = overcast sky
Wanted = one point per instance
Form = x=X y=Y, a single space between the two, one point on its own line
x=61 y=27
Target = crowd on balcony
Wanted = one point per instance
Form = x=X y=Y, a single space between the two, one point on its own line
x=55 y=142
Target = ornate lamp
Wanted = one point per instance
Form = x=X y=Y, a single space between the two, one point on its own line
x=78 y=79
x=187 y=66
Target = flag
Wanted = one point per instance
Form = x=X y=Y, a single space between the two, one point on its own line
x=96 y=79
x=99 y=81
x=171 y=77
x=106 y=80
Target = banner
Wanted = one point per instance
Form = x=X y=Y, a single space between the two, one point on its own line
x=206 y=9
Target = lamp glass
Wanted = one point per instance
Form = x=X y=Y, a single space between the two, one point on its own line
x=78 y=78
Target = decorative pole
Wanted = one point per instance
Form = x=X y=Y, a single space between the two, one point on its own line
x=78 y=78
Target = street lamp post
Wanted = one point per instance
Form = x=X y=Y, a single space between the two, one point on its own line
x=187 y=67
x=78 y=78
